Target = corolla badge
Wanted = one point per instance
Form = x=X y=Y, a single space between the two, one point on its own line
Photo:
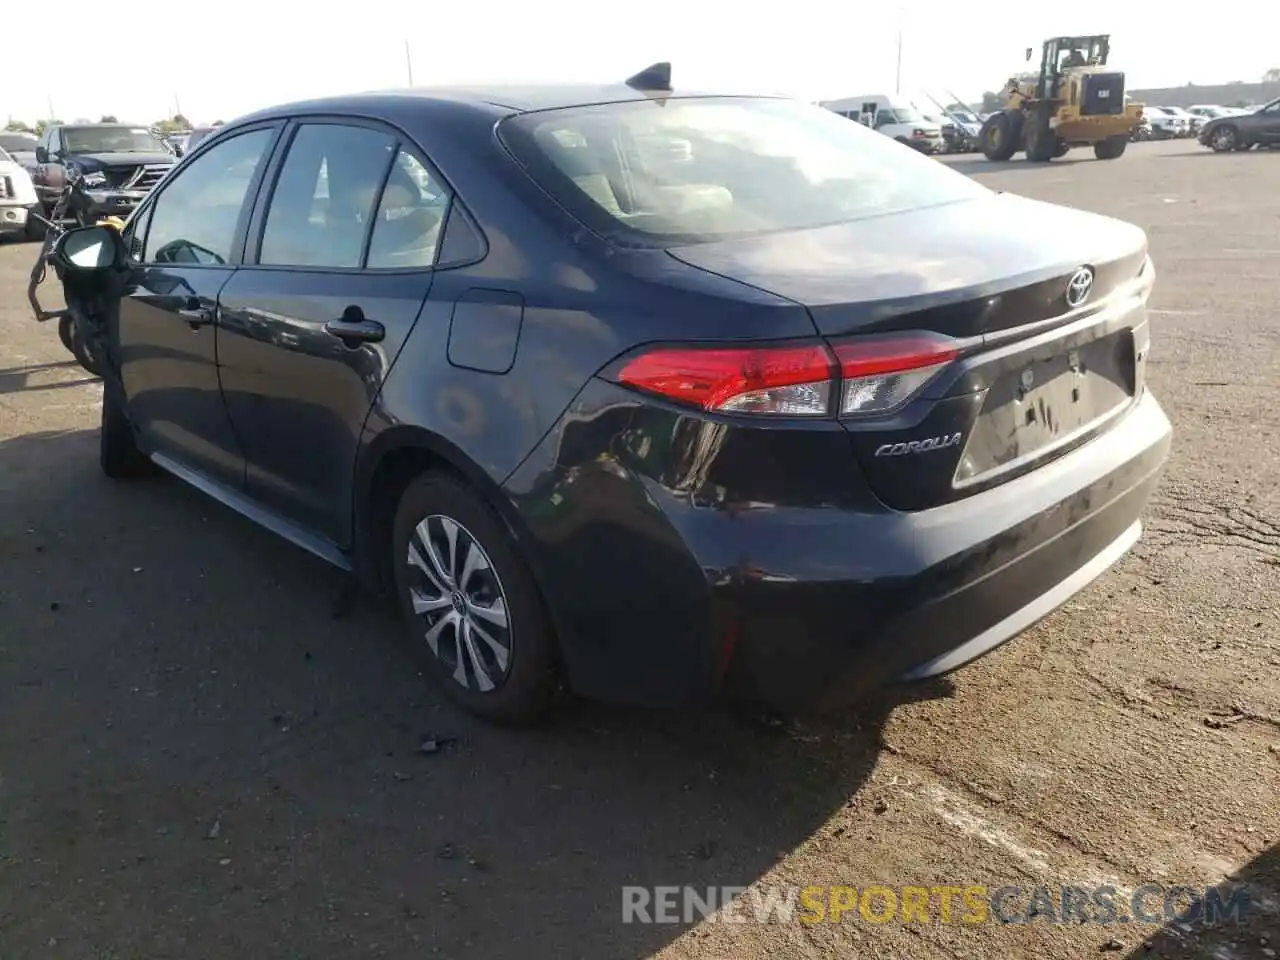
x=917 y=446
x=1079 y=286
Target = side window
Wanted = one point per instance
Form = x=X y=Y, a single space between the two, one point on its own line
x=406 y=231
x=193 y=221
x=55 y=141
x=323 y=203
x=135 y=233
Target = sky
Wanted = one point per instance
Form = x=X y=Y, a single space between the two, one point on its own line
x=814 y=49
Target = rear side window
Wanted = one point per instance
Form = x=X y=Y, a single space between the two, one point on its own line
x=701 y=168
x=406 y=230
x=326 y=196
x=194 y=219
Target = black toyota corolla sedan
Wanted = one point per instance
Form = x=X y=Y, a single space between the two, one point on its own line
x=667 y=396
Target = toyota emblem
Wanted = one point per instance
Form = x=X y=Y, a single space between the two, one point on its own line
x=1079 y=286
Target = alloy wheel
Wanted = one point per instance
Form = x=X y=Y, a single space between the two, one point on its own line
x=459 y=600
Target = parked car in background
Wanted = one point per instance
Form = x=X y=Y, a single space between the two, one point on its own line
x=1192 y=121
x=616 y=400
x=1164 y=124
x=960 y=129
x=894 y=116
x=17 y=196
x=111 y=168
x=1210 y=111
x=1241 y=131
x=21 y=147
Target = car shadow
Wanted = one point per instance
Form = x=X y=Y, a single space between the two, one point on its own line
x=202 y=745
x=1206 y=152
x=18 y=379
x=1252 y=931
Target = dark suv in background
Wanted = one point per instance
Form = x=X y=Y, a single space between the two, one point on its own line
x=111 y=167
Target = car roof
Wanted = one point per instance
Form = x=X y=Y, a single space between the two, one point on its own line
x=495 y=100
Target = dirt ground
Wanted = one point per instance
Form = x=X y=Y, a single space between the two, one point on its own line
x=198 y=759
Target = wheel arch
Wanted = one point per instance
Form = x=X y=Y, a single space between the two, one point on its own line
x=386 y=466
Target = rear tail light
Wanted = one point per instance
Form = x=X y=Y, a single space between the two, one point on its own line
x=872 y=375
x=788 y=381
x=882 y=374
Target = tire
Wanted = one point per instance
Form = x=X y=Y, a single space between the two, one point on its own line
x=998 y=139
x=504 y=674
x=1111 y=148
x=1041 y=140
x=1060 y=150
x=69 y=334
x=118 y=452
x=66 y=333
x=1224 y=139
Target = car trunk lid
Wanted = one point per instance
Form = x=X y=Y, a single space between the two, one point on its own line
x=1036 y=375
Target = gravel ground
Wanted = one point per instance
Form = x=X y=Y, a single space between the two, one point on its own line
x=200 y=758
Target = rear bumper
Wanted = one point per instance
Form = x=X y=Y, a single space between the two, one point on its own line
x=676 y=575
x=968 y=576
x=926 y=144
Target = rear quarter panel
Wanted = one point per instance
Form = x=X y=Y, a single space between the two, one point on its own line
x=584 y=304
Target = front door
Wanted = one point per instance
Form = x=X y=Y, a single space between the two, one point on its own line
x=186 y=243
x=309 y=331
x=1269 y=124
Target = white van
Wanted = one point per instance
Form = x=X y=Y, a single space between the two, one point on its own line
x=894 y=116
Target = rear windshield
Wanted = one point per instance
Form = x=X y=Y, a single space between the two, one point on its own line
x=706 y=168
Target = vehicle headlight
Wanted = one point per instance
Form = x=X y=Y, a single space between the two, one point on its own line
x=95 y=179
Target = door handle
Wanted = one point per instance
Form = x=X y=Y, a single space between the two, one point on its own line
x=353 y=329
x=196 y=314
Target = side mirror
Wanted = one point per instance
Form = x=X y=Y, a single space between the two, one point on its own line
x=1030 y=51
x=89 y=250
x=42 y=155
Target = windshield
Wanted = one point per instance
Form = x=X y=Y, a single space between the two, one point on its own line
x=906 y=114
x=111 y=140
x=684 y=170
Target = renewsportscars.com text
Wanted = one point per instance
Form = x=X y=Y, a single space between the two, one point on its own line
x=1150 y=903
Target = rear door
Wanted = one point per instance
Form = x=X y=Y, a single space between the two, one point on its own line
x=186 y=242
x=337 y=269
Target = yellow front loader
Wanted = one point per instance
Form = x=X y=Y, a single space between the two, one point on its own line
x=1074 y=100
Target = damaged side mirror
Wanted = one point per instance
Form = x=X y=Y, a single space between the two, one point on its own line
x=87 y=250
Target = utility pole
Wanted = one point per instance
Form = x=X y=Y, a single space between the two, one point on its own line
x=52 y=115
x=408 y=59
x=898 y=82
